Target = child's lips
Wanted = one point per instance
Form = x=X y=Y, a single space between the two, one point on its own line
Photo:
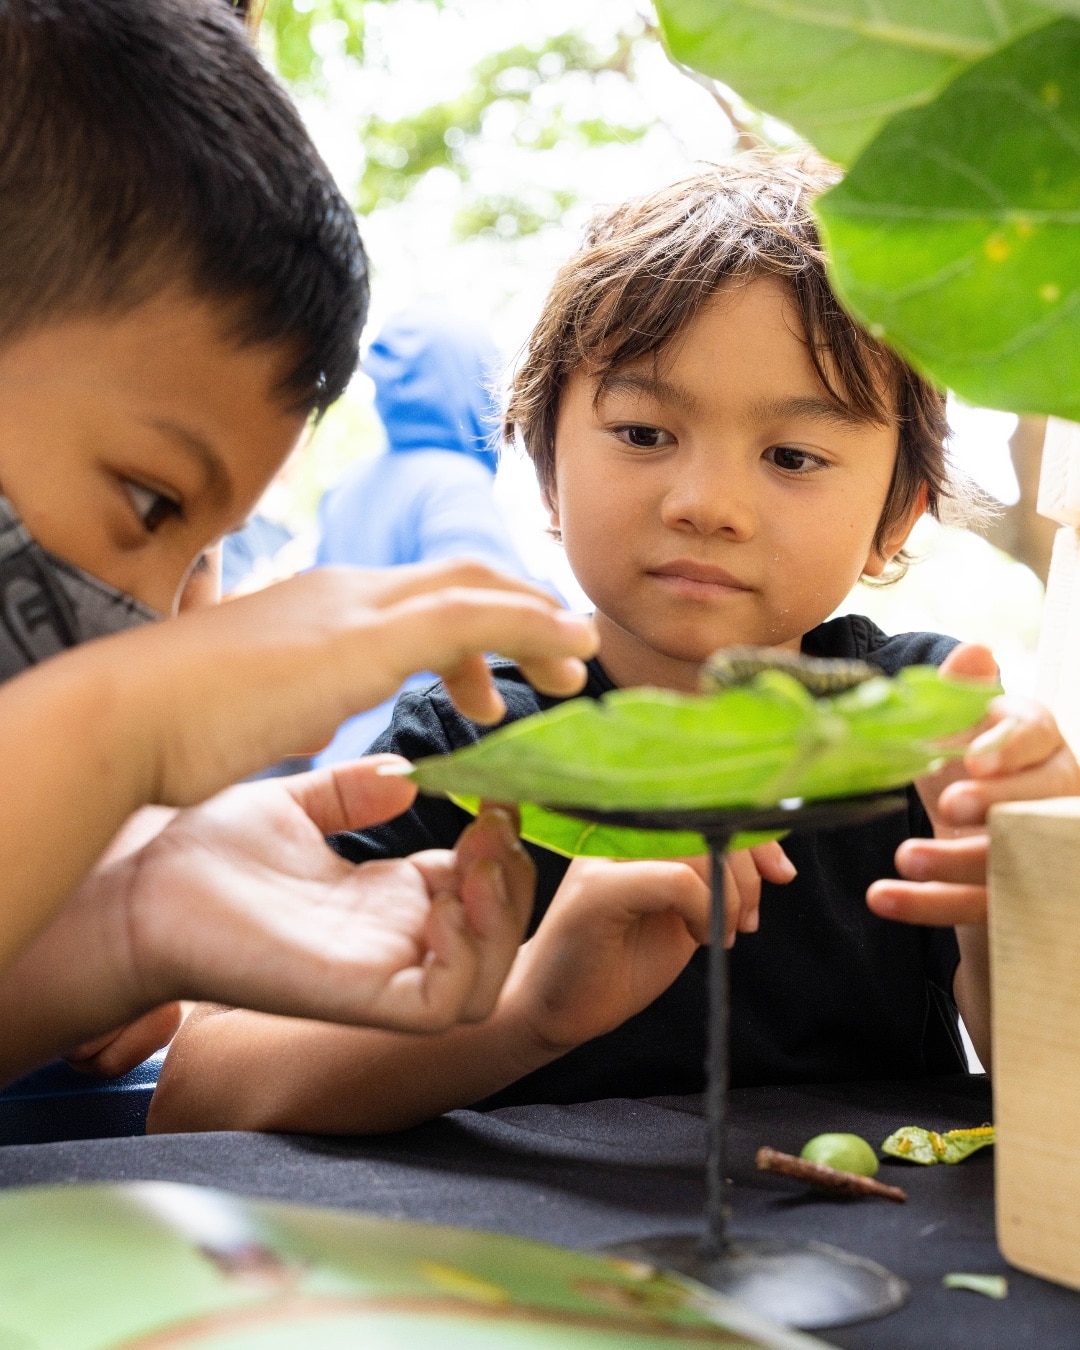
x=698 y=581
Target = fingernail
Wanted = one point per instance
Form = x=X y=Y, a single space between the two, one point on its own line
x=963 y=808
x=789 y=869
x=884 y=905
x=994 y=738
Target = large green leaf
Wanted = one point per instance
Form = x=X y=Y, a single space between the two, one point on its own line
x=956 y=233
x=837 y=70
x=641 y=748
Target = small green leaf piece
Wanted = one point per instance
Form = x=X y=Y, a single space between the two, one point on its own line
x=955 y=235
x=993 y=1286
x=755 y=745
x=913 y=1144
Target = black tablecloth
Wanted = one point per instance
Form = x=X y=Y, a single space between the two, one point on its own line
x=608 y=1171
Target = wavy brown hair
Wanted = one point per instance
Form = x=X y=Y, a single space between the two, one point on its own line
x=648 y=266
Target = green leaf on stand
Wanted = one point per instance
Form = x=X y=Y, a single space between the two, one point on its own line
x=585 y=839
x=927 y=1147
x=955 y=234
x=837 y=71
x=755 y=745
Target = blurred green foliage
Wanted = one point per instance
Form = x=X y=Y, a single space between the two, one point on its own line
x=529 y=88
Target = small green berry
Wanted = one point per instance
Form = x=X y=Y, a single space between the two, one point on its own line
x=845 y=1152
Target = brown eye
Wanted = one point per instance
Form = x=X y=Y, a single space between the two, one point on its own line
x=793 y=461
x=153 y=508
x=645 y=438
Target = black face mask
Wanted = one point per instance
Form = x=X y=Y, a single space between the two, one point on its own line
x=48 y=605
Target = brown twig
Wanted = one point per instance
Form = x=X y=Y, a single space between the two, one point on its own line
x=817 y=1174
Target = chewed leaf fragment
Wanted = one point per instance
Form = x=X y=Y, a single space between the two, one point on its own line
x=993 y=1286
x=914 y=1144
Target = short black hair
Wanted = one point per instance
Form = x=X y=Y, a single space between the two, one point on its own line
x=142 y=143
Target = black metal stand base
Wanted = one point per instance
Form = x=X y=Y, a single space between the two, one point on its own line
x=810 y=1285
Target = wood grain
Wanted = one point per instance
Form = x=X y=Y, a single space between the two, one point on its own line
x=1035 y=964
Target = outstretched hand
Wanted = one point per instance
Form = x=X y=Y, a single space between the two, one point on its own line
x=1016 y=754
x=241 y=901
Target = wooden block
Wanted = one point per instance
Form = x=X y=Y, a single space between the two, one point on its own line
x=1059 y=479
x=1035 y=963
x=1058 y=680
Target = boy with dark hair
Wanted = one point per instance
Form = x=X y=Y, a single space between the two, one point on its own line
x=725 y=452
x=181 y=288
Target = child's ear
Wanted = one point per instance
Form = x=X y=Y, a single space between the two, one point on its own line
x=554 y=524
x=880 y=556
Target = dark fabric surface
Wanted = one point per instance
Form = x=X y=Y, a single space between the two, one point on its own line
x=824 y=991
x=609 y=1171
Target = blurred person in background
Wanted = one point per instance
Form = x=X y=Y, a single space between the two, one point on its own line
x=428 y=495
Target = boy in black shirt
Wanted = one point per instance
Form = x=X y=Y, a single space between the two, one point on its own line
x=725 y=452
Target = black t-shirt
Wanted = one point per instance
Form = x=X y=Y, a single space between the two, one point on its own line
x=823 y=991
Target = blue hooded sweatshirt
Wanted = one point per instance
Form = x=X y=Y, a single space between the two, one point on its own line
x=429 y=495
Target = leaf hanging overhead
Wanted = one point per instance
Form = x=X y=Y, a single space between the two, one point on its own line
x=956 y=233
x=837 y=70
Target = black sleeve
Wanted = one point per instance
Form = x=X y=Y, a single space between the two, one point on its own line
x=417 y=730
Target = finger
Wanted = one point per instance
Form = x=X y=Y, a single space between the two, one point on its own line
x=936 y=904
x=773 y=864
x=473 y=691
x=1021 y=734
x=354 y=795
x=440 y=632
x=119 y=1052
x=489 y=905
x=433 y=995
x=493 y=837
x=497 y=887
x=631 y=889
x=967 y=802
x=970 y=661
x=742 y=892
x=960 y=861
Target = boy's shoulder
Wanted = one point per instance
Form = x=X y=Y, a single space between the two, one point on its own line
x=854 y=637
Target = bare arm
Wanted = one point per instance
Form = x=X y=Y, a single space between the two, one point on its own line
x=172 y=713
x=615 y=937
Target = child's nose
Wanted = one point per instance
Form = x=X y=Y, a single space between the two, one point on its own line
x=709 y=498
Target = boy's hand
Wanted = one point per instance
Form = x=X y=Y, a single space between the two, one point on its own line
x=232 y=689
x=240 y=901
x=618 y=934
x=266 y=916
x=614 y=938
x=1018 y=754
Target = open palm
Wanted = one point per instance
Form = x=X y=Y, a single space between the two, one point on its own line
x=241 y=900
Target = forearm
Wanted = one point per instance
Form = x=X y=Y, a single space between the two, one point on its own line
x=74 y=771
x=70 y=983
x=233 y=1070
x=971 y=986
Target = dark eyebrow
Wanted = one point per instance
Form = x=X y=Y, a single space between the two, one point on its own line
x=821 y=409
x=200 y=450
x=652 y=386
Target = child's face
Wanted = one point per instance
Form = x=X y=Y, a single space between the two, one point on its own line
x=130 y=444
x=714 y=494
